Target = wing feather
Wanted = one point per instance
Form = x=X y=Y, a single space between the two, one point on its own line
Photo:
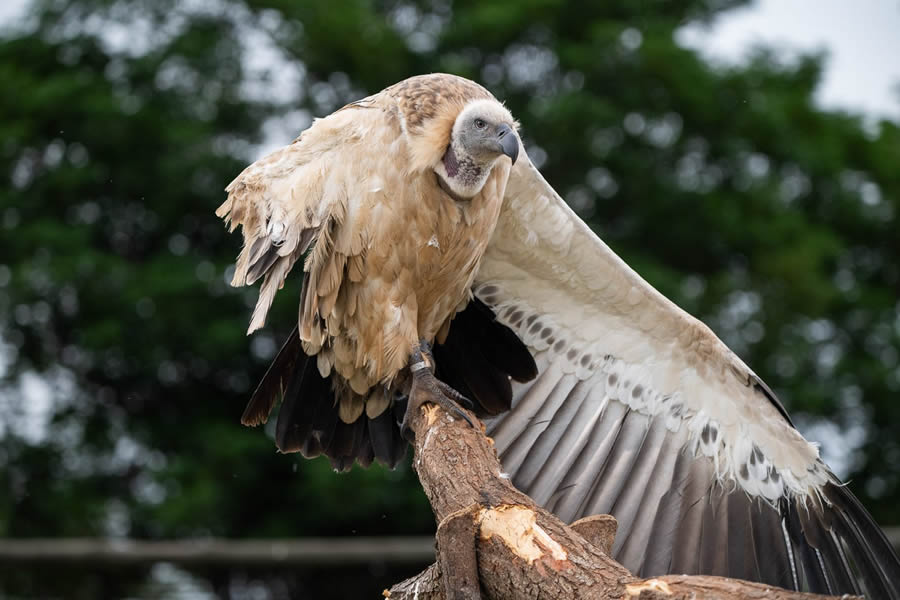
x=647 y=465
x=666 y=521
x=554 y=442
x=638 y=409
x=307 y=197
x=588 y=465
x=618 y=467
x=645 y=530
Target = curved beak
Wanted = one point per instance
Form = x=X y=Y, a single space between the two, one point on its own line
x=509 y=143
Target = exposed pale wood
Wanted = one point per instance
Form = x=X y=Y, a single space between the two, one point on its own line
x=524 y=551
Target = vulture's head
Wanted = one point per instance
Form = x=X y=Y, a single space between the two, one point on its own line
x=483 y=132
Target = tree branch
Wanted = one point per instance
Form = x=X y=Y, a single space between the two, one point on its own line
x=494 y=542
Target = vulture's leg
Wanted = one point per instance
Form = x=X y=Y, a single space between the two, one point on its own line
x=428 y=388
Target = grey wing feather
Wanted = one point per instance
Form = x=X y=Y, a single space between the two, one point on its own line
x=639 y=411
x=580 y=452
x=619 y=464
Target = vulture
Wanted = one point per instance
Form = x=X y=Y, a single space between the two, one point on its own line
x=435 y=254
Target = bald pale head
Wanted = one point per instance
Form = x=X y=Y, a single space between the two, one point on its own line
x=483 y=132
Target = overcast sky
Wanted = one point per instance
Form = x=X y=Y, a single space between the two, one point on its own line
x=862 y=38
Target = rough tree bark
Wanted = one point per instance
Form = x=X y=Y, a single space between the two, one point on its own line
x=494 y=542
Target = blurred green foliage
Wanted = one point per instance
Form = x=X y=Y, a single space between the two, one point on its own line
x=124 y=365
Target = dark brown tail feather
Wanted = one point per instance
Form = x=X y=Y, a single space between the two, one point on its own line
x=347 y=444
x=478 y=359
x=308 y=419
x=304 y=407
x=388 y=445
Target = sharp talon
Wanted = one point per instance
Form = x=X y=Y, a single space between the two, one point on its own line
x=462 y=414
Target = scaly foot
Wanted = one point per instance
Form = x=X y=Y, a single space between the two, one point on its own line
x=428 y=388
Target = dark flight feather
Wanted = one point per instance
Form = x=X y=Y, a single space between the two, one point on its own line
x=810 y=563
x=498 y=343
x=365 y=453
x=274 y=381
x=740 y=551
x=864 y=544
x=479 y=357
x=383 y=435
x=264 y=253
x=322 y=428
x=771 y=549
x=468 y=371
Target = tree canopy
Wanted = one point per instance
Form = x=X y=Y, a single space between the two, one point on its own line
x=124 y=366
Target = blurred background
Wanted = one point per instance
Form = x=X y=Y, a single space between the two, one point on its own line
x=744 y=158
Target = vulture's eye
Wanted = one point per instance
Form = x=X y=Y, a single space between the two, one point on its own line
x=479 y=124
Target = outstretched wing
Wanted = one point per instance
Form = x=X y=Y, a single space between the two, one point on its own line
x=640 y=411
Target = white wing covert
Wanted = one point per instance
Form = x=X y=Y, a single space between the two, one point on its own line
x=640 y=411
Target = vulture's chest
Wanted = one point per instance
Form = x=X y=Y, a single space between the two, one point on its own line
x=451 y=239
x=422 y=253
